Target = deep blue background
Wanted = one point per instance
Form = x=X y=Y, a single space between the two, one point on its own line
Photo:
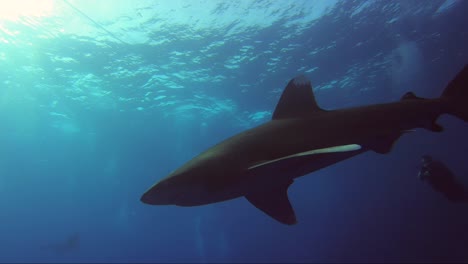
x=73 y=164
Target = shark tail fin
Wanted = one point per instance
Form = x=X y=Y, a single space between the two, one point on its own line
x=456 y=95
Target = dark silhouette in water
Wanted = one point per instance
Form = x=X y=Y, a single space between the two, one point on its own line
x=442 y=179
x=68 y=245
x=262 y=162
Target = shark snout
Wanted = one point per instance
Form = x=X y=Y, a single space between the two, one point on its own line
x=172 y=191
x=158 y=195
x=147 y=198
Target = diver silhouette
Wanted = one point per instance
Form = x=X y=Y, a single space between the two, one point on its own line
x=69 y=244
x=442 y=180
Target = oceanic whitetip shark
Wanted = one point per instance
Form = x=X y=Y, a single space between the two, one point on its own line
x=261 y=163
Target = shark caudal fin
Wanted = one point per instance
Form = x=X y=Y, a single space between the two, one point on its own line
x=456 y=95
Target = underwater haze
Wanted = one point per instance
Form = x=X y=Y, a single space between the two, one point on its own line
x=101 y=99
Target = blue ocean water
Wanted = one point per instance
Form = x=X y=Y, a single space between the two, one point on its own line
x=101 y=99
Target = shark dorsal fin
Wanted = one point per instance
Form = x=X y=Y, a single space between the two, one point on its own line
x=410 y=96
x=275 y=203
x=297 y=100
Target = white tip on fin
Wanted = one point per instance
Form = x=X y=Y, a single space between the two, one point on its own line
x=301 y=80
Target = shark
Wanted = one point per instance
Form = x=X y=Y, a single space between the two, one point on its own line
x=262 y=162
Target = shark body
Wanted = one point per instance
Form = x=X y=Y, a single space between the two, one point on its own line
x=261 y=163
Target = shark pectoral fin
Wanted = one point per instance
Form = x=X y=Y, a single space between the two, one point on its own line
x=434 y=127
x=275 y=203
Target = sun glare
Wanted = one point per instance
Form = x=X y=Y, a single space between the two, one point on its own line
x=13 y=10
